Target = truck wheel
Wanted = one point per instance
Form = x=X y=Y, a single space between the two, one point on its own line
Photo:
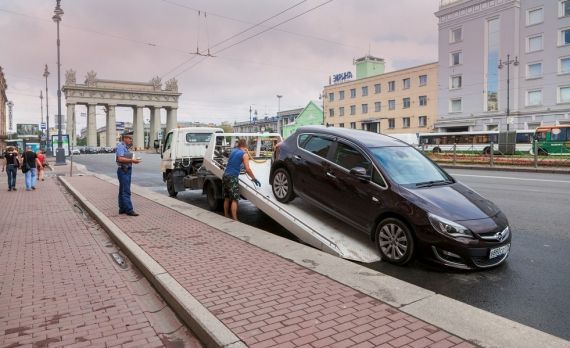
x=170 y=186
x=394 y=241
x=214 y=203
x=282 y=186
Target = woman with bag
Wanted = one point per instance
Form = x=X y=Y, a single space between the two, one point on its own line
x=42 y=164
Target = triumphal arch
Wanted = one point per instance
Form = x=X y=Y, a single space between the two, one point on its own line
x=112 y=94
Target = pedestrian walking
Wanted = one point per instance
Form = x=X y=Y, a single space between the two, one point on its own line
x=230 y=180
x=125 y=161
x=11 y=165
x=42 y=164
x=30 y=163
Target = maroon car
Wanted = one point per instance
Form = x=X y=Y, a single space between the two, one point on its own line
x=407 y=204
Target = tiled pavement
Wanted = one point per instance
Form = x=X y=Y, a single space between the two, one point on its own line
x=265 y=300
x=59 y=286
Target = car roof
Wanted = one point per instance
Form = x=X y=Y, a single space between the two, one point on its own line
x=361 y=137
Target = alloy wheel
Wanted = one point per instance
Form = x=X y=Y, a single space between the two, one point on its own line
x=280 y=185
x=393 y=241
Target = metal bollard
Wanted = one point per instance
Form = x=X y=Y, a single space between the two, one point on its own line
x=492 y=158
x=535 y=152
x=454 y=154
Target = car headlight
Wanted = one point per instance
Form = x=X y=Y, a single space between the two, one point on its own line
x=448 y=227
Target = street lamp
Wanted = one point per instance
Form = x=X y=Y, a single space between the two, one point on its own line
x=60 y=153
x=48 y=140
x=41 y=114
x=323 y=96
x=508 y=63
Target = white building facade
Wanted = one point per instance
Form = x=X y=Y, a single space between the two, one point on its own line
x=487 y=45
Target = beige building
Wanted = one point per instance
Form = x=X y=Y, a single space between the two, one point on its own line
x=403 y=101
x=3 y=111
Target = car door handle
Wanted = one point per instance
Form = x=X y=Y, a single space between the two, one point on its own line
x=297 y=157
x=331 y=175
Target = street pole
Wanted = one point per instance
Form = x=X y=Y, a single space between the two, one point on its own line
x=41 y=115
x=508 y=63
x=48 y=140
x=278 y=111
x=60 y=152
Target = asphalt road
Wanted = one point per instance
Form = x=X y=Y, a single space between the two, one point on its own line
x=532 y=287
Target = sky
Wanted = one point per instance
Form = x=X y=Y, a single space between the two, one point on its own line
x=136 y=40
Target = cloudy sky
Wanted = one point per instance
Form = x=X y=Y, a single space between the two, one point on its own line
x=134 y=40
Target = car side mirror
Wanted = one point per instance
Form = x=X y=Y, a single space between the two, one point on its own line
x=360 y=173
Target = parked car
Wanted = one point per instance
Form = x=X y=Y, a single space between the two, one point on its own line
x=91 y=149
x=75 y=151
x=384 y=187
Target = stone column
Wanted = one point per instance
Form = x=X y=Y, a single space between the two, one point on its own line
x=91 y=125
x=111 y=126
x=138 y=127
x=154 y=125
x=171 y=119
x=71 y=124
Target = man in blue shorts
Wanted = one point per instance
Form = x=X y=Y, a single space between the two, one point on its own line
x=125 y=163
x=230 y=179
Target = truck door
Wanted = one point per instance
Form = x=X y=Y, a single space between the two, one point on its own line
x=166 y=162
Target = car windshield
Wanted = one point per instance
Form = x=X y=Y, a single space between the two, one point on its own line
x=407 y=166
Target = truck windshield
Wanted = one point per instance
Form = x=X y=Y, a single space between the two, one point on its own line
x=198 y=137
x=407 y=166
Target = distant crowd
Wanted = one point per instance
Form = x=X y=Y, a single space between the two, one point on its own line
x=31 y=164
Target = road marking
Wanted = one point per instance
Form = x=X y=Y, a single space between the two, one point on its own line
x=510 y=178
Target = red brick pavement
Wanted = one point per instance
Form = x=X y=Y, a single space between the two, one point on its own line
x=58 y=288
x=265 y=300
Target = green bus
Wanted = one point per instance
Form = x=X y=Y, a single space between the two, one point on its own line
x=553 y=140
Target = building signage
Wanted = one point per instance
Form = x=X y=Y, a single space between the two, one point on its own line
x=342 y=77
x=27 y=129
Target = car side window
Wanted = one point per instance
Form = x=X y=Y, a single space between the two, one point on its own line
x=168 y=141
x=302 y=139
x=348 y=157
x=318 y=145
x=377 y=178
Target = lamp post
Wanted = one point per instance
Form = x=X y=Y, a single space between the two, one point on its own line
x=48 y=140
x=60 y=153
x=278 y=110
x=323 y=96
x=508 y=63
x=41 y=115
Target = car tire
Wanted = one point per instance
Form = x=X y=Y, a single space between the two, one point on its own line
x=282 y=185
x=170 y=186
x=487 y=150
x=214 y=204
x=436 y=150
x=395 y=241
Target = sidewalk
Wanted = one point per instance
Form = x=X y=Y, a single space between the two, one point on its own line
x=264 y=299
x=59 y=286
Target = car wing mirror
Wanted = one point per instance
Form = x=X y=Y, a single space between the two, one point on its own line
x=360 y=173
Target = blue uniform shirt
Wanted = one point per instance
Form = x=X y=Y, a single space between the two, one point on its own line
x=123 y=151
x=235 y=162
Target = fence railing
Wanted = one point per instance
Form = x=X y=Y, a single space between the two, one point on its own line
x=522 y=155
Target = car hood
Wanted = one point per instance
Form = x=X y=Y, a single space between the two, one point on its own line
x=455 y=202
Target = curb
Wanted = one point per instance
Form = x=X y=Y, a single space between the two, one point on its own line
x=211 y=331
x=470 y=323
x=507 y=169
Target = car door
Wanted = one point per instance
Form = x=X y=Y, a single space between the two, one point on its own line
x=309 y=162
x=166 y=162
x=357 y=199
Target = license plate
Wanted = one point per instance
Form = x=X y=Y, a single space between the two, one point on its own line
x=502 y=250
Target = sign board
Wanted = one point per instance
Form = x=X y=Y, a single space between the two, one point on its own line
x=65 y=143
x=120 y=125
x=43 y=126
x=28 y=129
x=342 y=77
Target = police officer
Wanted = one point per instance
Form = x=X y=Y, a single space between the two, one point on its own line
x=125 y=163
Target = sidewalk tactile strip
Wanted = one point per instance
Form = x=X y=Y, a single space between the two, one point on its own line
x=264 y=299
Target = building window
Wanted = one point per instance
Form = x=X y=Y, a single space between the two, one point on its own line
x=534 y=43
x=423 y=100
x=456 y=58
x=377 y=106
x=564 y=65
x=341 y=95
x=534 y=97
x=493 y=51
x=353 y=109
x=341 y=125
x=406 y=83
x=364 y=91
x=455 y=35
x=406 y=122
x=331 y=112
x=533 y=70
x=423 y=80
x=353 y=92
x=406 y=103
x=341 y=111
x=564 y=94
x=391 y=123
x=564 y=9
x=455 y=105
x=364 y=108
x=422 y=121
x=534 y=16
x=391 y=104
x=353 y=125
x=455 y=82
x=377 y=88
x=331 y=96
x=391 y=86
x=564 y=37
